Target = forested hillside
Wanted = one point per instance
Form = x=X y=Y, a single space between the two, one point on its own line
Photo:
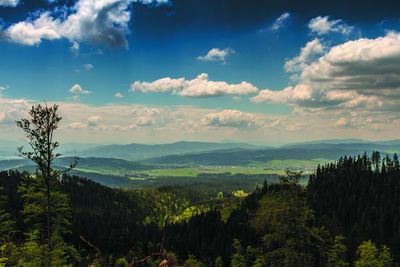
x=347 y=215
x=359 y=198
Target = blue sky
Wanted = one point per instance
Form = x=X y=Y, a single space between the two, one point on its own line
x=234 y=69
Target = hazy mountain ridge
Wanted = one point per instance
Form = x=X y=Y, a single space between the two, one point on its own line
x=296 y=151
x=91 y=162
x=345 y=141
x=115 y=171
x=141 y=151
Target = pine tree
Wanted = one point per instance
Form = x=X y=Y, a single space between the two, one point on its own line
x=367 y=255
x=385 y=259
x=219 y=262
x=290 y=238
x=46 y=208
x=6 y=222
x=337 y=253
x=238 y=258
x=7 y=248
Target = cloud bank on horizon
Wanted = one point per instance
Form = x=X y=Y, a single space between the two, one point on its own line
x=330 y=77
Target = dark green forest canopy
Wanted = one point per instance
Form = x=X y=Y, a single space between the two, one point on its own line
x=354 y=197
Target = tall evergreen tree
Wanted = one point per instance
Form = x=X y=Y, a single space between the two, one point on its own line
x=337 y=253
x=46 y=208
x=6 y=222
x=385 y=259
x=367 y=255
x=238 y=258
x=7 y=248
x=290 y=237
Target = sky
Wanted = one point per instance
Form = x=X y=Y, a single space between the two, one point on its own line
x=160 y=71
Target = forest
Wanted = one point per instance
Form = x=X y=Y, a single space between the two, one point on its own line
x=347 y=214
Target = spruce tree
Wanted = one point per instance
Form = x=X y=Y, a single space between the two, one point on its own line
x=238 y=258
x=337 y=253
x=6 y=222
x=46 y=208
x=7 y=247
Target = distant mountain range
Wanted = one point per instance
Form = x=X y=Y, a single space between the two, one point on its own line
x=184 y=152
x=140 y=151
x=109 y=164
x=300 y=151
x=345 y=141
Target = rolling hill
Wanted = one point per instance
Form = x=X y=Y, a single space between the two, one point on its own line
x=308 y=151
x=141 y=151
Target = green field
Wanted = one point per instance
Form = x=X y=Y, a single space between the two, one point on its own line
x=274 y=167
x=195 y=171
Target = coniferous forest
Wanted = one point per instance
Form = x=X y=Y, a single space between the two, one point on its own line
x=346 y=215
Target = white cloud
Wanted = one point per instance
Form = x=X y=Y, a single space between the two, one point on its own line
x=32 y=32
x=91 y=21
x=299 y=94
x=9 y=3
x=306 y=96
x=74 y=98
x=363 y=74
x=233 y=119
x=12 y=110
x=76 y=125
x=118 y=95
x=88 y=66
x=77 y=89
x=280 y=21
x=342 y=122
x=143 y=122
x=93 y=121
x=370 y=67
x=324 y=25
x=200 y=86
x=127 y=123
x=75 y=48
x=308 y=54
x=216 y=54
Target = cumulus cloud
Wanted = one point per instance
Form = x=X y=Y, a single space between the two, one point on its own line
x=77 y=89
x=93 y=121
x=324 y=25
x=144 y=121
x=92 y=21
x=359 y=74
x=75 y=48
x=216 y=54
x=146 y=117
x=280 y=21
x=88 y=67
x=9 y=3
x=118 y=95
x=342 y=122
x=12 y=110
x=300 y=95
x=125 y=123
x=32 y=32
x=308 y=54
x=370 y=67
x=76 y=125
x=200 y=86
x=233 y=119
